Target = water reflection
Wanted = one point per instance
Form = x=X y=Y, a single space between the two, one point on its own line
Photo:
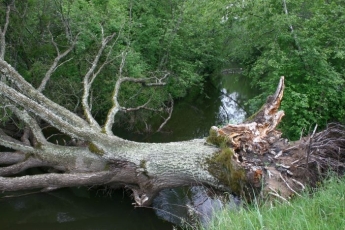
x=230 y=110
x=223 y=100
x=191 y=205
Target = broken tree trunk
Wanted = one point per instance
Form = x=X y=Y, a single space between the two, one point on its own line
x=248 y=145
x=267 y=165
x=241 y=159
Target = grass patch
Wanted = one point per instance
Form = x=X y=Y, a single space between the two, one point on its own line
x=324 y=208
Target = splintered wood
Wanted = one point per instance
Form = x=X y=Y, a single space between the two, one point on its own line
x=259 y=132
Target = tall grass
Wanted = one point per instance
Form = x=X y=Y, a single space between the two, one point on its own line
x=322 y=209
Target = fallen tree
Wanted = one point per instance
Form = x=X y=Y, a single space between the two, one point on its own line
x=241 y=159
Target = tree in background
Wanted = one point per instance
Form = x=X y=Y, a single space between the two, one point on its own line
x=178 y=38
x=302 y=40
x=84 y=61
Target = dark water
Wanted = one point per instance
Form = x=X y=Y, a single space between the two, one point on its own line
x=222 y=101
x=81 y=208
x=192 y=206
x=74 y=208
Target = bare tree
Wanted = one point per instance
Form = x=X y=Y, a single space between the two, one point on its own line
x=227 y=160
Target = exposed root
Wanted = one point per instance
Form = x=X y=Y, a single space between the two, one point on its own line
x=256 y=136
x=288 y=167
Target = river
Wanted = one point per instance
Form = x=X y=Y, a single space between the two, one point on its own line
x=223 y=100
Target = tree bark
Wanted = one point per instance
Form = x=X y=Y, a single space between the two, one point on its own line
x=241 y=159
x=234 y=158
x=145 y=168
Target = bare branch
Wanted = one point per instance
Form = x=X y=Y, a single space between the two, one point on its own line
x=43 y=112
x=57 y=59
x=88 y=80
x=11 y=143
x=116 y=106
x=30 y=122
x=7 y=158
x=310 y=144
x=31 y=125
x=170 y=113
x=152 y=81
x=20 y=167
x=3 y=33
x=138 y=107
x=25 y=88
x=54 y=180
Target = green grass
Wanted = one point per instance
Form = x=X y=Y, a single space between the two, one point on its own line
x=322 y=209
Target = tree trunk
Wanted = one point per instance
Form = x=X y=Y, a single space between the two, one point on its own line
x=145 y=168
x=235 y=158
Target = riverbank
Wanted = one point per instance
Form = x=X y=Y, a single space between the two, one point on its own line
x=321 y=208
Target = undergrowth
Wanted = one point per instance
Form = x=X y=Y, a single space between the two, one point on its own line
x=321 y=208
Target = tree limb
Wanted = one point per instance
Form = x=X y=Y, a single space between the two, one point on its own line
x=152 y=81
x=11 y=143
x=57 y=59
x=19 y=167
x=170 y=113
x=7 y=158
x=44 y=113
x=3 y=33
x=29 y=91
x=88 y=80
x=54 y=180
x=31 y=123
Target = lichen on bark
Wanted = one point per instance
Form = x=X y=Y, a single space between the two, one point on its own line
x=94 y=149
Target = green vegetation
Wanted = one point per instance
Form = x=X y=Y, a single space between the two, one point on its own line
x=222 y=167
x=324 y=208
x=222 y=164
x=183 y=38
x=218 y=140
x=301 y=40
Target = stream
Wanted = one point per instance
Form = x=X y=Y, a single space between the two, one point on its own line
x=223 y=100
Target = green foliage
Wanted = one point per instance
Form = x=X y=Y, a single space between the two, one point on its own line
x=306 y=46
x=324 y=209
x=184 y=38
x=181 y=37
